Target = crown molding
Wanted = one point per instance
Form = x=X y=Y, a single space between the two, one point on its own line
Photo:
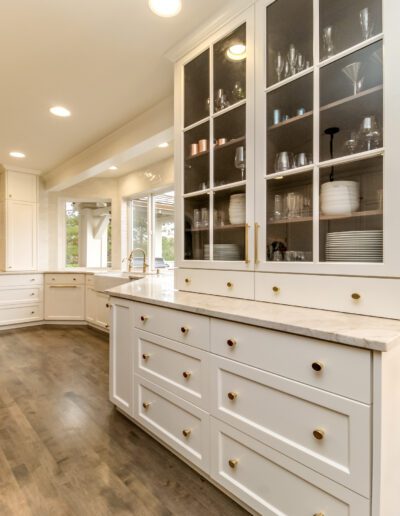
x=13 y=168
x=212 y=25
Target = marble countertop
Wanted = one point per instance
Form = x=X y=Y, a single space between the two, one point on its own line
x=353 y=330
x=77 y=270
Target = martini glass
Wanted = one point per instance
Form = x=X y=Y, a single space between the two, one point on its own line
x=353 y=72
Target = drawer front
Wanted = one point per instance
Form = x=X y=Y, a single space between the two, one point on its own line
x=20 y=295
x=173 y=366
x=178 y=423
x=90 y=279
x=65 y=279
x=21 y=314
x=219 y=283
x=273 y=484
x=327 y=366
x=64 y=302
x=323 y=431
x=173 y=324
x=19 y=280
x=356 y=295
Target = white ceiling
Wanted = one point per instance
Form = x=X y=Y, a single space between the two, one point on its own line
x=102 y=59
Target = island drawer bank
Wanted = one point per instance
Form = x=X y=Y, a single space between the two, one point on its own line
x=261 y=412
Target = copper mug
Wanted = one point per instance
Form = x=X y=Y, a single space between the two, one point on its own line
x=203 y=145
x=221 y=141
x=194 y=149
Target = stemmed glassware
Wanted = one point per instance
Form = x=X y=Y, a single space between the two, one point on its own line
x=292 y=59
x=328 y=42
x=240 y=161
x=353 y=72
x=369 y=135
x=279 y=65
x=367 y=26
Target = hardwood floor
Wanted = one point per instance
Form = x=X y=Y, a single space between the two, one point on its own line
x=64 y=449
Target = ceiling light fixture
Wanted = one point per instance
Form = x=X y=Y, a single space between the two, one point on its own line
x=166 y=8
x=163 y=145
x=236 y=52
x=17 y=154
x=113 y=167
x=60 y=111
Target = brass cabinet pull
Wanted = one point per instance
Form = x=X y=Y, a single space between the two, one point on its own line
x=144 y=318
x=184 y=330
x=232 y=395
x=246 y=244
x=256 y=228
x=356 y=296
x=186 y=432
x=229 y=284
x=276 y=290
x=317 y=366
x=231 y=343
x=146 y=405
x=145 y=356
x=187 y=374
x=187 y=280
x=319 y=434
x=63 y=286
x=233 y=463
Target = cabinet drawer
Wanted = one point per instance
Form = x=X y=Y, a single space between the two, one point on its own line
x=20 y=295
x=21 y=314
x=184 y=327
x=65 y=279
x=64 y=302
x=273 y=484
x=328 y=433
x=327 y=366
x=178 y=423
x=216 y=282
x=173 y=366
x=18 y=280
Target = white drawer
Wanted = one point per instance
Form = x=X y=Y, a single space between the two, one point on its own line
x=273 y=484
x=328 y=433
x=173 y=366
x=20 y=280
x=184 y=327
x=20 y=295
x=344 y=370
x=219 y=283
x=65 y=279
x=178 y=423
x=90 y=280
x=21 y=314
x=357 y=295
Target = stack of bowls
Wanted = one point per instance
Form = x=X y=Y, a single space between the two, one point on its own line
x=340 y=197
x=237 y=208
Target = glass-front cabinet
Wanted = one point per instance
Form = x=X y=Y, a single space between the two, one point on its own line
x=215 y=135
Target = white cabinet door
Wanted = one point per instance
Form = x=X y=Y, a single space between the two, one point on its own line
x=91 y=297
x=21 y=187
x=21 y=239
x=102 y=310
x=64 y=303
x=121 y=346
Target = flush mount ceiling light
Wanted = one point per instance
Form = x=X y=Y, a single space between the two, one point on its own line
x=166 y=8
x=236 y=52
x=163 y=145
x=17 y=154
x=60 y=111
x=113 y=167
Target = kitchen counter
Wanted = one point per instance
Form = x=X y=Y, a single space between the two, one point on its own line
x=57 y=271
x=352 y=330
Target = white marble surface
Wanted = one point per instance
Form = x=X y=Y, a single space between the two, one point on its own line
x=78 y=270
x=353 y=330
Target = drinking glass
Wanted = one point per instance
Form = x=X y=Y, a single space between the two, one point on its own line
x=350 y=145
x=301 y=63
x=327 y=40
x=204 y=217
x=292 y=59
x=284 y=161
x=240 y=160
x=279 y=65
x=301 y=159
x=291 y=204
x=238 y=91
x=367 y=25
x=196 y=218
x=369 y=134
x=353 y=72
x=278 y=205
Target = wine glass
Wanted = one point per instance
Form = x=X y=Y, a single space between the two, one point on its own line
x=279 y=65
x=301 y=62
x=240 y=160
x=328 y=42
x=367 y=26
x=353 y=71
x=369 y=134
x=292 y=59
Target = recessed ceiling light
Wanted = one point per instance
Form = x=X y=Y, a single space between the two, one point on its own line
x=166 y=8
x=60 y=111
x=236 y=52
x=163 y=145
x=17 y=154
x=113 y=167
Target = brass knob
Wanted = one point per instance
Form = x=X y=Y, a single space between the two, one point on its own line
x=186 y=432
x=187 y=374
x=276 y=289
x=33 y=313
x=317 y=366
x=73 y=279
x=231 y=343
x=229 y=284
x=232 y=395
x=319 y=434
x=233 y=463
x=146 y=405
x=32 y=294
x=144 y=318
x=108 y=305
x=187 y=280
x=184 y=330
x=356 y=296
x=107 y=326
x=319 y=514
x=145 y=356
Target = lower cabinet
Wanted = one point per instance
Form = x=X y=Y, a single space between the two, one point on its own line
x=21 y=298
x=64 y=297
x=97 y=308
x=21 y=314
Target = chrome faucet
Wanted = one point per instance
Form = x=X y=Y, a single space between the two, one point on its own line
x=130 y=260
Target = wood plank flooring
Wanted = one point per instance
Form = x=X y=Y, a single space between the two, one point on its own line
x=65 y=450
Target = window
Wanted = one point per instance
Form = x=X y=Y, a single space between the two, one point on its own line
x=153 y=229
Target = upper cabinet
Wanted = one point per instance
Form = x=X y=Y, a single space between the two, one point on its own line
x=20 y=186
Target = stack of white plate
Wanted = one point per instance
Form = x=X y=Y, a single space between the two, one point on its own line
x=227 y=252
x=355 y=246
x=237 y=208
x=340 y=197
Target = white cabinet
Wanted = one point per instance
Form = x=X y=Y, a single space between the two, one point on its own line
x=21 y=299
x=91 y=305
x=64 y=297
x=21 y=186
x=121 y=350
x=97 y=308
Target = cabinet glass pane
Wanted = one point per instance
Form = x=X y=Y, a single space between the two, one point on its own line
x=197 y=158
x=351 y=218
x=289 y=38
x=230 y=147
x=352 y=104
x=290 y=125
x=289 y=218
x=197 y=89
x=230 y=224
x=230 y=69
x=344 y=23
x=197 y=224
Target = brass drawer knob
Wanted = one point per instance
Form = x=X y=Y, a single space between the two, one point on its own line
x=276 y=290
x=231 y=343
x=187 y=281
x=356 y=296
x=319 y=514
x=232 y=395
x=108 y=305
x=184 y=330
x=145 y=356
x=32 y=294
x=146 y=405
x=144 y=318
x=229 y=284
x=187 y=374
x=319 y=434
x=186 y=432
x=317 y=366
x=233 y=463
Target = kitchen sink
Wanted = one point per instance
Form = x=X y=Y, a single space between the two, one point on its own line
x=109 y=280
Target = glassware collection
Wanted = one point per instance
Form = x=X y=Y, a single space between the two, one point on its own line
x=290 y=64
x=285 y=160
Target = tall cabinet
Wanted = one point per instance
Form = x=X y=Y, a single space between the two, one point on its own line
x=317 y=155
x=18 y=221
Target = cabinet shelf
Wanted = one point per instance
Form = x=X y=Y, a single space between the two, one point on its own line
x=291 y=120
x=357 y=214
x=217 y=228
x=351 y=98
